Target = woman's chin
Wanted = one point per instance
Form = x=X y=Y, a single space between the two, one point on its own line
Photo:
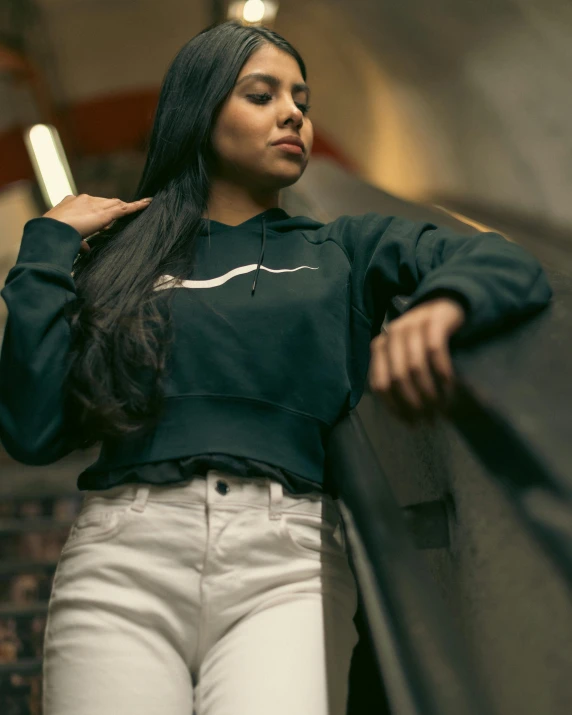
x=286 y=178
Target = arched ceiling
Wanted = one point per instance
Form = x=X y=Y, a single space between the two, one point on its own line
x=454 y=101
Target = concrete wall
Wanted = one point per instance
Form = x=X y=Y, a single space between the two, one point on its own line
x=504 y=596
x=453 y=100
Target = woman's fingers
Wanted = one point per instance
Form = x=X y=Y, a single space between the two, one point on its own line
x=420 y=369
x=379 y=372
x=412 y=371
x=89 y=214
x=385 y=381
x=403 y=389
x=440 y=361
x=120 y=208
x=411 y=366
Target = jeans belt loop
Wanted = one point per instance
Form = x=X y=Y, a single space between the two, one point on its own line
x=140 y=500
x=276 y=493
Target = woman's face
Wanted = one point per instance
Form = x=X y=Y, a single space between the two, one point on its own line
x=257 y=112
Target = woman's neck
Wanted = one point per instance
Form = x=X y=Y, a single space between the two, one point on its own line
x=232 y=206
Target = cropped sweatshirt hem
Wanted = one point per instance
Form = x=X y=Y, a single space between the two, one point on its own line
x=237 y=426
x=173 y=471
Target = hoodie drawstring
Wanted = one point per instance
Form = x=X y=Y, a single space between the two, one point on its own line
x=261 y=254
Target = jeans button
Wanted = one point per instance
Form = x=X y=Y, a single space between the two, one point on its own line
x=222 y=487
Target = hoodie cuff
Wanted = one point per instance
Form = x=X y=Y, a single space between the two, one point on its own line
x=455 y=295
x=47 y=240
x=467 y=293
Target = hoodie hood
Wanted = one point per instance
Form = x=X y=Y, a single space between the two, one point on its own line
x=274 y=219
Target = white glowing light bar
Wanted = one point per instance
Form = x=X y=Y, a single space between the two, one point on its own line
x=253 y=12
x=50 y=164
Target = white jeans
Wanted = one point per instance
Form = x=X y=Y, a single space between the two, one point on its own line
x=218 y=595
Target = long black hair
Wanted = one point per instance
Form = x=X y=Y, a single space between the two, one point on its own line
x=121 y=328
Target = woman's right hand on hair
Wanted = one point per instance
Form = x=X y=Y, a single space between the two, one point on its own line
x=90 y=214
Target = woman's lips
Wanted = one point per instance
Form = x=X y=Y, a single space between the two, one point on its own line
x=290 y=148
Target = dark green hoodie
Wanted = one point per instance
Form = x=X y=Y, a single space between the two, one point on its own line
x=272 y=333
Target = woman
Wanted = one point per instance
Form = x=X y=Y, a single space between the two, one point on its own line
x=211 y=342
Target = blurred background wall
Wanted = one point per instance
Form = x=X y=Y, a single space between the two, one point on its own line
x=457 y=102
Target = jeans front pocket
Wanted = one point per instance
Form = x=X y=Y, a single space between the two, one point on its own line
x=96 y=522
x=313 y=535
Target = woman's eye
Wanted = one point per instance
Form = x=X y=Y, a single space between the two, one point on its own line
x=261 y=97
x=264 y=97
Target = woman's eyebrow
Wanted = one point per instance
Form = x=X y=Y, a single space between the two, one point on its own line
x=274 y=81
